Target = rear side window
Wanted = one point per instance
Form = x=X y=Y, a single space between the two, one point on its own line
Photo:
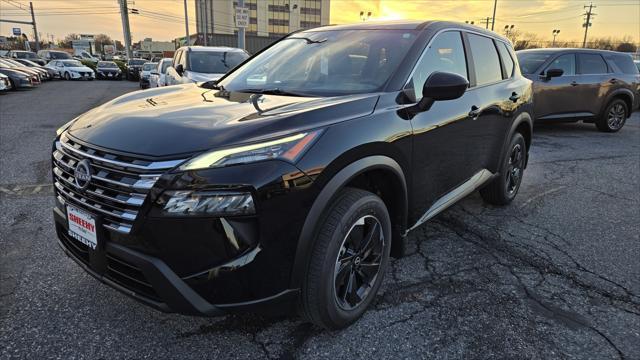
x=623 y=63
x=566 y=63
x=507 y=60
x=591 y=64
x=485 y=59
x=446 y=53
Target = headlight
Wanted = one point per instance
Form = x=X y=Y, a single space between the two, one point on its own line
x=207 y=203
x=289 y=148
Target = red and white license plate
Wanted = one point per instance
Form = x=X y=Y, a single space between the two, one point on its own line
x=82 y=227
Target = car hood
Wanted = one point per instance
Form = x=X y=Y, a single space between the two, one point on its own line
x=201 y=77
x=108 y=69
x=79 y=68
x=14 y=72
x=186 y=119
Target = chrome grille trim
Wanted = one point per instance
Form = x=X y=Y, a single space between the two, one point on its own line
x=117 y=189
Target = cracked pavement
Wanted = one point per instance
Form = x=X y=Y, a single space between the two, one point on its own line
x=554 y=275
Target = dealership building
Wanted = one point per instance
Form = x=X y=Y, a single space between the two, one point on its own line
x=268 y=20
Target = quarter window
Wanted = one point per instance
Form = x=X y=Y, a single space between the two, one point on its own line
x=566 y=63
x=446 y=53
x=485 y=59
x=591 y=64
x=507 y=60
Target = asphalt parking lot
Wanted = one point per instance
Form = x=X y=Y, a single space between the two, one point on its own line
x=554 y=275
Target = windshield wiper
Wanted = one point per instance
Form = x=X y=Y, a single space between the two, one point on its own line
x=309 y=41
x=271 y=91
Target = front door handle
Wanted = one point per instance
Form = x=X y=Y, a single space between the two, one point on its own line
x=514 y=96
x=573 y=83
x=613 y=81
x=474 y=113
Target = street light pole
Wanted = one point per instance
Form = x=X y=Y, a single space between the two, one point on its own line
x=493 y=19
x=555 y=33
x=186 y=23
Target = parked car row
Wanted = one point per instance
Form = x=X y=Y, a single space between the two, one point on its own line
x=21 y=76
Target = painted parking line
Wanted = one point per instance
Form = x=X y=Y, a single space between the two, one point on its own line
x=26 y=189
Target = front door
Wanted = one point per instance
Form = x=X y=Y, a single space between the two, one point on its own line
x=556 y=97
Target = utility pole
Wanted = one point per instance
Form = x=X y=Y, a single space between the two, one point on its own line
x=124 y=13
x=487 y=27
x=206 y=22
x=493 y=19
x=587 y=23
x=186 y=23
x=241 y=29
x=35 y=29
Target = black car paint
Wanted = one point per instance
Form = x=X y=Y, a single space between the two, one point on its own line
x=423 y=155
x=580 y=96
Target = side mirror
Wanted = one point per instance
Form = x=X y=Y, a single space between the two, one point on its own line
x=551 y=73
x=442 y=86
x=180 y=69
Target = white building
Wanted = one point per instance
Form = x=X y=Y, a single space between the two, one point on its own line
x=267 y=18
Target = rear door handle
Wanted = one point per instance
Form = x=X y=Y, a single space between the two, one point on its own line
x=514 y=96
x=474 y=113
x=573 y=83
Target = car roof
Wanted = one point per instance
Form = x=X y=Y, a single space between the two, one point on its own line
x=211 y=48
x=421 y=25
x=560 y=50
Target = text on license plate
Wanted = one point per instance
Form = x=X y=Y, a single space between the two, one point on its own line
x=82 y=227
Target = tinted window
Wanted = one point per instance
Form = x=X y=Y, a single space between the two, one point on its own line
x=591 y=64
x=567 y=63
x=507 y=60
x=485 y=59
x=59 y=55
x=531 y=61
x=624 y=63
x=446 y=53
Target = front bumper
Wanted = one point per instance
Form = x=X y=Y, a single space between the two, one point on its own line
x=151 y=281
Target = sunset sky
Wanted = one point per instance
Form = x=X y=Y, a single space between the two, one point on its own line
x=614 y=18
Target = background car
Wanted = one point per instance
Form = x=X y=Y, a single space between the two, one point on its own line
x=108 y=70
x=48 y=55
x=159 y=74
x=133 y=68
x=147 y=68
x=35 y=75
x=29 y=63
x=71 y=69
x=5 y=83
x=594 y=86
x=23 y=54
x=17 y=78
x=637 y=62
x=84 y=55
x=203 y=63
x=41 y=71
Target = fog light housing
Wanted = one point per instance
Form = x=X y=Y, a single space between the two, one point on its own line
x=208 y=203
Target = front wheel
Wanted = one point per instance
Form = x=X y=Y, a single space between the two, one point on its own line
x=67 y=76
x=504 y=188
x=349 y=258
x=614 y=116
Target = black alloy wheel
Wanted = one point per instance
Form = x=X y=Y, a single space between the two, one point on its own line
x=504 y=188
x=515 y=168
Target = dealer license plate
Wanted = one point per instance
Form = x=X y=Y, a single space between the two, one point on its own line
x=82 y=227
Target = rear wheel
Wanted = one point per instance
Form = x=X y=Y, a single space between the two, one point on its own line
x=614 y=116
x=504 y=188
x=349 y=258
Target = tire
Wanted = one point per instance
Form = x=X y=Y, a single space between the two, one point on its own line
x=67 y=76
x=504 y=188
x=325 y=300
x=613 y=117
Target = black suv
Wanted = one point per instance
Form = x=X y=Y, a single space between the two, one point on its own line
x=597 y=86
x=293 y=178
x=133 y=68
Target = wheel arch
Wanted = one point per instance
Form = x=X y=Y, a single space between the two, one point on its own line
x=523 y=124
x=379 y=168
x=625 y=95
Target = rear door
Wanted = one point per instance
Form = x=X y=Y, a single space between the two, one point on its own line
x=556 y=97
x=593 y=83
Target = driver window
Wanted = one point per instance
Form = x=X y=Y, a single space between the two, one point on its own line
x=567 y=63
x=446 y=53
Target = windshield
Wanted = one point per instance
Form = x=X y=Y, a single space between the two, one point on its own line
x=530 y=62
x=211 y=62
x=325 y=63
x=107 y=64
x=72 y=63
x=137 y=62
x=25 y=55
x=58 y=55
x=149 y=66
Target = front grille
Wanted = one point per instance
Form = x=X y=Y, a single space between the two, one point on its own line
x=118 y=187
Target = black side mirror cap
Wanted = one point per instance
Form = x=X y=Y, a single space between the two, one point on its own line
x=179 y=69
x=551 y=73
x=441 y=86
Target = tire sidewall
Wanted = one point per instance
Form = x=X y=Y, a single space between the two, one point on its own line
x=604 y=119
x=368 y=205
